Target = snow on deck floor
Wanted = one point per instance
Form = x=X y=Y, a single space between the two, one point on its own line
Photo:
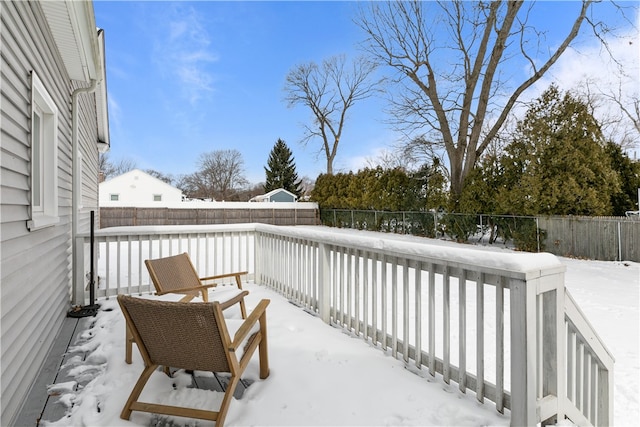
x=321 y=376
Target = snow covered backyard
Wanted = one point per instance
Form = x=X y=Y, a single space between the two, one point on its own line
x=323 y=376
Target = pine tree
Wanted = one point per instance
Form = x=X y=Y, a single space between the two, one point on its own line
x=629 y=175
x=556 y=163
x=281 y=170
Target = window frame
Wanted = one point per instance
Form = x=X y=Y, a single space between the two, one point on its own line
x=43 y=157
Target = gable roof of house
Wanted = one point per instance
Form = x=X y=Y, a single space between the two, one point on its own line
x=279 y=190
x=272 y=193
x=125 y=177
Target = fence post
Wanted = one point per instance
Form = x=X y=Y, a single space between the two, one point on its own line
x=404 y=223
x=619 y=243
x=523 y=353
x=324 y=283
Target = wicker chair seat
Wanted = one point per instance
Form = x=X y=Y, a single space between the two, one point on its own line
x=193 y=336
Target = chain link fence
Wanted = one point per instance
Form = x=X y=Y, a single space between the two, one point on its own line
x=519 y=232
x=608 y=239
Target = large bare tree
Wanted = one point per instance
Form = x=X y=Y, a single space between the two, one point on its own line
x=454 y=67
x=329 y=90
x=219 y=177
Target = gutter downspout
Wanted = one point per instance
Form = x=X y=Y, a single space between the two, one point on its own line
x=77 y=278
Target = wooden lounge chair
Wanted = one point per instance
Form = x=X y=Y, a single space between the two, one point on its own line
x=193 y=336
x=177 y=275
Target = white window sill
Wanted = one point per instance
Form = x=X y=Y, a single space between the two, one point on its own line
x=42 y=221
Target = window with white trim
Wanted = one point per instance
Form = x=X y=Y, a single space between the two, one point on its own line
x=114 y=197
x=44 y=157
x=157 y=197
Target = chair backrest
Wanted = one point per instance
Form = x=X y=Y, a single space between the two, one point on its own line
x=178 y=334
x=173 y=272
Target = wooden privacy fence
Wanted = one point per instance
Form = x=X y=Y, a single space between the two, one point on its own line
x=500 y=325
x=264 y=213
x=601 y=238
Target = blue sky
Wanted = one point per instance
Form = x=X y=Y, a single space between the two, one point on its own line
x=185 y=78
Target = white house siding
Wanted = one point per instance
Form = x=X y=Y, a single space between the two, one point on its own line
x=136 y=187
x=35 y=272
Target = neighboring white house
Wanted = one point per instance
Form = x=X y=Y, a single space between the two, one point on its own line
x=135 y=187
x=53 y=103
x=277 y=195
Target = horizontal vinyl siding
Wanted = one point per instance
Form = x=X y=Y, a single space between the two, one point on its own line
x=34 y=300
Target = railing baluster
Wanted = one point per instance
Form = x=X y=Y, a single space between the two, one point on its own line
x=343 y=288
x=118 y=264
x=405 y=311
x=480 y=338
x=446 y=341
x=432 y=320
x=593 y=389
x=374 y=299
x=383 y=311
x=587 y=384
x=394 y=307
x=500 y=345
x=462 y=328
x=356 y=290
x=365 y=295
x=418 y=308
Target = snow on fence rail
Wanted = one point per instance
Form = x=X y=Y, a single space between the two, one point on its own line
x=498 y=324
x=601 y=238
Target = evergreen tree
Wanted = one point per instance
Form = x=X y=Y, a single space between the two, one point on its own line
x=556 y=163
x=626 y=199
x=281 y=170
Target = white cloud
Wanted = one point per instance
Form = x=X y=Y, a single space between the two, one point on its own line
x=115 y=112
x=183 y=51
x=592 y=68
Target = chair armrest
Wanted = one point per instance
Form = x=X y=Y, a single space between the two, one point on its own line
x=255 y=315
x=222 y=276
x=182 y=290
x=228 y=303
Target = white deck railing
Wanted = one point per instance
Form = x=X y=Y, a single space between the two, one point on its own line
x=499 y=324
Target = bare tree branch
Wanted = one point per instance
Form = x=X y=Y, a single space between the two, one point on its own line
x=329 y=90
x=458 y=91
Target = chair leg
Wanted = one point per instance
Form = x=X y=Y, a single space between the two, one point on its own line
x=137 y=389
x=262 y=348
x=228 y=395
x=243 y=309
x=128 y=345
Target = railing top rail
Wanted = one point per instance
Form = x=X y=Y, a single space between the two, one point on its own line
x=171 y=229
x=520 y=265
x=209 y=205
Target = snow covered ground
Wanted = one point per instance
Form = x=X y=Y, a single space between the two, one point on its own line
x=323 y=377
